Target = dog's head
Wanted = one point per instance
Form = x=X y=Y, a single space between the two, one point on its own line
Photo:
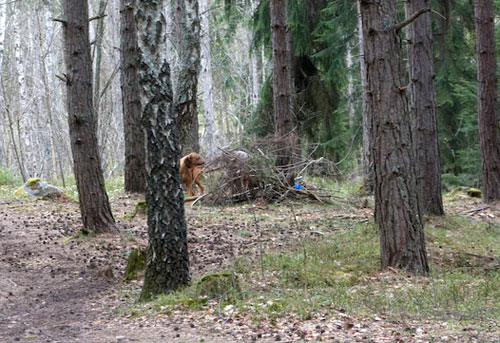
x=193 y=159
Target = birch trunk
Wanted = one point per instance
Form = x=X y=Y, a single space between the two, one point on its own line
x=167 y=266
x=368 y=177
x=55 y=156
x=98 y=58
x=210 y=133
x=186 y=91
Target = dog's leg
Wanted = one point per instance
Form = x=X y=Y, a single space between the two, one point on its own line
x=197 y=179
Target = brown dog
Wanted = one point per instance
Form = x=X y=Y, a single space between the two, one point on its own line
x=191 y=168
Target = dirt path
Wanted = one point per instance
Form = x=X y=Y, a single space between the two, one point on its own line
x=57 y=291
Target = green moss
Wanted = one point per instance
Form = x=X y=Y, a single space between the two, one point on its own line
x=136 y=264
x=33 y=183
x=474 y=192
x=140 y=208
x=20 y=192
x=219 y=284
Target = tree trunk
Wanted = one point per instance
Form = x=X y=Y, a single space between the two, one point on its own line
x=397 y=211
x=487 y=98
x=254 y=64
x=368 y=177
x=94 y=204
x=99 y=34
x=210 y=133
x=17 y=153
x=135 y=153
x=168 y=262
x=56 y=158
x=423 y=108
x=286 y=138
x=187 y=76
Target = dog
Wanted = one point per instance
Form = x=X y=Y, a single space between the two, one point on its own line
x=191 y=167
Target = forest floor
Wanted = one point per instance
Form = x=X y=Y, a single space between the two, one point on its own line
x=59 y=286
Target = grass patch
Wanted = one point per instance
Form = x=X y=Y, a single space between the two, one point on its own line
x=341 y=271
x=8 y=183
x=337 y=268
x=221 y=287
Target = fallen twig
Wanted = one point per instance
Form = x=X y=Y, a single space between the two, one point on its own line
x=476 y=210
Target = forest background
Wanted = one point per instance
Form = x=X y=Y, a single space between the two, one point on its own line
x=291 y=260
x=34 y=134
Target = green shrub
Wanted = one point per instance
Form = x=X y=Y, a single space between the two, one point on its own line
x=7 y=178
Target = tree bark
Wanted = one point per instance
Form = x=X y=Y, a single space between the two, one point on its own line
x=423 y=109
x=397 y=211
x=94 y=204
x=168 y=262
x=487 y=98
x=186 y=86
x=368 y=177
x=135 y=153
x=210 y=136
x=99 y=35
x=285 y=136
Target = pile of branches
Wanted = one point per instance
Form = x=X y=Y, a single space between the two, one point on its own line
x=244 y=175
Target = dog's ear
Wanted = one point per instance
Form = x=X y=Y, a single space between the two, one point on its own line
x=188 y=161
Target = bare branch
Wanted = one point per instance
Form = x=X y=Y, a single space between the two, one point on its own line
x=439 y=14
x=63 y=77
x=59 y=20
x=408 y=21
x=97 y=17
x=9 y=2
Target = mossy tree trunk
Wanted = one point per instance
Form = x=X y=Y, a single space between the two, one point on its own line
x=487 y=98
x=135 y=152
x=397 y=211
x=94 y=204
x=167 y=262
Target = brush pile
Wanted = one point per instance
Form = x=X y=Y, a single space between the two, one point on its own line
x=244 y=175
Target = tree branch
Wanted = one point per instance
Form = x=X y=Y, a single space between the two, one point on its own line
x=100 y=16
x=408 y=21
x=63 y=77
x=59 y=20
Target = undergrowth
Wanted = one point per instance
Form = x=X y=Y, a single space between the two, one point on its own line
x=339 y=271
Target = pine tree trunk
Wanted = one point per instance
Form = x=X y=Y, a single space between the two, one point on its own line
x=423 y=109
x=168 y=262
x=487 y=98
x=210 y=134
x=186 y=90
x=286 y=139
x=397 y=211
x=135 y=152
x=94 y=205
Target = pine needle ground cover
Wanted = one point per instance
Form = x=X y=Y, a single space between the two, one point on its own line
x=294 y=271
x=312 y=263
